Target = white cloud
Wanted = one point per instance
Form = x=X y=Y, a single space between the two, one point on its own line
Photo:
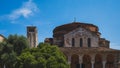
x=26 y=10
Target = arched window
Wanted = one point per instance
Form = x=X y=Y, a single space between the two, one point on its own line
x=73 y=42
x=81 y=42
x=89 y=42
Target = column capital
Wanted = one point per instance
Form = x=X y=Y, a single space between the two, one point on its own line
x=81 y=55
x=104 y=61
x=69 y=59
x=92 y=59
x=92 y=62
x=69 y=62
x=80 y=59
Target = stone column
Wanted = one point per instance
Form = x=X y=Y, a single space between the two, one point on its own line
x=80 y=60
x=119 y=64
x=116 y=59
x=92 y=62
x=69 y=59
x=104 y=55
x=80 y=65
x=104 y=62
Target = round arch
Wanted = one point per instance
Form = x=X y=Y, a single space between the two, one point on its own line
x=75 y=61
x=86 y=61
x=98 y=61
x=110 y=61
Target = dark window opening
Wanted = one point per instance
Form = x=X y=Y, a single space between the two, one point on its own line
x=73 y=42
x=81 y=42
x=89 y=42
x=83 y=65
x=77 y=65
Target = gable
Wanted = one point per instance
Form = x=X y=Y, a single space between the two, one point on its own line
x=79 y=33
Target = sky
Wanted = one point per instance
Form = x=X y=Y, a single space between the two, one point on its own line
x=15 y=15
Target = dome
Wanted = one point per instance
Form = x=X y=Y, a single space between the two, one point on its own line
x=63 y=29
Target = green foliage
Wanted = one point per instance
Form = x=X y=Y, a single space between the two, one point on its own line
x=19 y=43
x=15 y=53
x=10 y=49
x=28 y=60
x=45 y=56
x=7 y=55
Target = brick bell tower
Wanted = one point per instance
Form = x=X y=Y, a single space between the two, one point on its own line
x=32 y=36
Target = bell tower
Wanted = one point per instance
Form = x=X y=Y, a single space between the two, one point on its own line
x=32 y=36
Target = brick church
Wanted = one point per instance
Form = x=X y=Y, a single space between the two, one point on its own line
x=82 y=45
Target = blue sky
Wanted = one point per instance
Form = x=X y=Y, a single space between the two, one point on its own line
x=15 y=15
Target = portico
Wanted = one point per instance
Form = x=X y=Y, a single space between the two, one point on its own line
x=94 y=58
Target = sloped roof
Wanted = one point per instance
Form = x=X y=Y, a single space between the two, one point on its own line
x=73 y=26
x=87 y=49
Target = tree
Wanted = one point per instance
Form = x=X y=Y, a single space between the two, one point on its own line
x=55 y=58
x=10 y=49
x=7 y=55
x=28 y=60
x=19 y=43
x=45 y=56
